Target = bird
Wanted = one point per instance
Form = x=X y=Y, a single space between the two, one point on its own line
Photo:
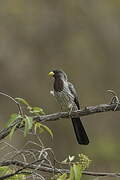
x=67 y=97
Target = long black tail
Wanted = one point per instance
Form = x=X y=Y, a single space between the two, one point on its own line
x=81 y=135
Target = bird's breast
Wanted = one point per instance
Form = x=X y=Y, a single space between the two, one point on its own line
x=65 y=99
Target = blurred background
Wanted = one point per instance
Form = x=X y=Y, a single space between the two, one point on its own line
x=80 y=37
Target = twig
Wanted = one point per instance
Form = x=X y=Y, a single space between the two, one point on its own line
x=13 y=99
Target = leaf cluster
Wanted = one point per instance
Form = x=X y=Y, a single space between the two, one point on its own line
x=27 y=119
x=76 y=168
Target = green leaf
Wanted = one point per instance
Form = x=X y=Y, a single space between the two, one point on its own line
x=62 y=177
x=23 y=101
x=17 y=177
x=77 y=171
x=37 y=110
x=72 y=176
x=47 y=129
x=28 y=124
x=12 y=131
x=4 y=170
x=37 y=126
x=42 y=128
x=13 y=117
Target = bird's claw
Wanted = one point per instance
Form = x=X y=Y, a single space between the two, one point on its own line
x=115 y=100
x=70 y=111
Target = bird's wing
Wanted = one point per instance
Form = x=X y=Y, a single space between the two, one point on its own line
x=73 y=91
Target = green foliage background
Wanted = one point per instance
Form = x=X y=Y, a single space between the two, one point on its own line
x=80 y=37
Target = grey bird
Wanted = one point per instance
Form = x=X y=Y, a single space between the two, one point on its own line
x=66 y=96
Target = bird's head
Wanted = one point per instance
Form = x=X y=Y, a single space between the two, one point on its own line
x=58 y=74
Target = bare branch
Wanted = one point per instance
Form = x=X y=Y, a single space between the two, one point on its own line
x=55 y=170
x=56 y=116
x=83 y=112
x=101 y=174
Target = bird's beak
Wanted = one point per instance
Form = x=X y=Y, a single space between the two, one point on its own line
x=51 y=73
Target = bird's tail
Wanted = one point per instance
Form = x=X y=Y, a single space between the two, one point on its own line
x=80 y=133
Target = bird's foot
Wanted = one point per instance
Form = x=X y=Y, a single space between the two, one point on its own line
x=71 y=108
x=115 y=101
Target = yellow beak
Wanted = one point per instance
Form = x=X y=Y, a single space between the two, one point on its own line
x=51 y=73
